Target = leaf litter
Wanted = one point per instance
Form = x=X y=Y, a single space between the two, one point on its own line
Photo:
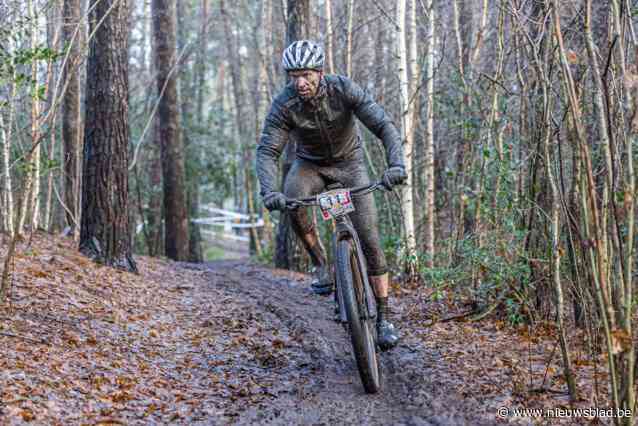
x=236 y=343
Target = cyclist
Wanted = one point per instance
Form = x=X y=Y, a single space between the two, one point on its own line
x=317 y=111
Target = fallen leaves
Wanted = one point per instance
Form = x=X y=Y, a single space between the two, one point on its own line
x=85 y=344
x=501 y=365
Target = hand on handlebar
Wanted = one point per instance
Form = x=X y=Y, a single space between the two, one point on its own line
x=394 y=176
x=274 y=201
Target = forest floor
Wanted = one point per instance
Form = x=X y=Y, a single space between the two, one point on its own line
x=233 y=342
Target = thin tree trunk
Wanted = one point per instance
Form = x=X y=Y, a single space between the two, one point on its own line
x=428 y=168
x=154 y=215
x=461 y=19
x=195 y=240
x=53 y=32
x=71 y=124
x=555 y=230
x=349 y=38
x=628 y=359
x=329 y=38
x=494 y=129
x=379 y=61
x=35 y=125
x=406 y=134
x=6 y=171
x=597 y=257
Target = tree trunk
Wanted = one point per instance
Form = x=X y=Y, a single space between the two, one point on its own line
x=105 y=233
x=329 y=39
x=245 y=153
x=407 y=204
x=192 y=86
x=463 y=30
x=172 y=148
x=195 y=239
x=429 y=144
x=7 y=182
x=71 y=128
x=349 y=38
x=589 y=205
x=154 y=215
x=298 y=12
x=380 y=75
x=53 y=33
x=35 y=125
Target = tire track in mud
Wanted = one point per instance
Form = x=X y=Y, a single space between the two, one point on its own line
x=317 y=382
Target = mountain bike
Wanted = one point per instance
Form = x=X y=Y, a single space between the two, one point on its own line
x=353 y=296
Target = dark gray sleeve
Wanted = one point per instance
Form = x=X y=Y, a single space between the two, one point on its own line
x=376 y=120
x=274 y=137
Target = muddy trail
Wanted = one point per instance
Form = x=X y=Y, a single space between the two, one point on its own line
x=287 y=362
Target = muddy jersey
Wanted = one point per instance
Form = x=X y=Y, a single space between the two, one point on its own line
x=324 y=128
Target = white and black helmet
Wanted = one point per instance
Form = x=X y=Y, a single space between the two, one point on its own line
x=303 y=55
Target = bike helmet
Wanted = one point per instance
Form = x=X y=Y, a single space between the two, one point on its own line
x=303 y=55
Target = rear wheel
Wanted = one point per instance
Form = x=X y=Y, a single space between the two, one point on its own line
x=351 y=285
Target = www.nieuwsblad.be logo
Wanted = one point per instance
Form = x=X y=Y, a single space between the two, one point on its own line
x=591 y=412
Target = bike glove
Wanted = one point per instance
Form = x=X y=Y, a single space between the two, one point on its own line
x=394 y=176
x=274 y=201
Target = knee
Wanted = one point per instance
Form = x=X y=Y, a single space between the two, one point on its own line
x=298 y=186
x=301 y=224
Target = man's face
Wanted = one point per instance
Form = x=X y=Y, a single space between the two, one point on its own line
x=306 y=82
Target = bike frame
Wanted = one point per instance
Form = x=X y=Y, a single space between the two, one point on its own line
x=354 y=295
x=345 y=230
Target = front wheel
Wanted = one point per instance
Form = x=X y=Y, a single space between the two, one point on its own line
x=351 y=284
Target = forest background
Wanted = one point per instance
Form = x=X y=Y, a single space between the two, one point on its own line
x=519 y=119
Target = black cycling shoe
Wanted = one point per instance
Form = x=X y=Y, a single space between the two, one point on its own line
x=387 y=336
x=322 y=283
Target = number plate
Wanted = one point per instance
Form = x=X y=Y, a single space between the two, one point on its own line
x=335 y=203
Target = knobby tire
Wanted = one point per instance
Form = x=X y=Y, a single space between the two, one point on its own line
x=351 y=286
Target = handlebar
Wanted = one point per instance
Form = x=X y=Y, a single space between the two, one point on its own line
x=294 y=203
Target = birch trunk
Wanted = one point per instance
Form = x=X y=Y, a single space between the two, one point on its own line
x=35 y=126
x=407 y=205
x=52 y=39
x=428 y=171
x=31 y=185
x=329 y=38
x=8 y=186
x=414 y=73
